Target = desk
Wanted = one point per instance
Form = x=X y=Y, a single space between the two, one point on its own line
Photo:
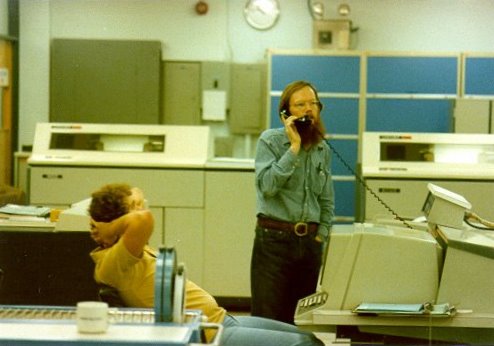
x=43 y=267
x=467 y=327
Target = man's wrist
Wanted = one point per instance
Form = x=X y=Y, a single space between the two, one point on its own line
x=295 y=148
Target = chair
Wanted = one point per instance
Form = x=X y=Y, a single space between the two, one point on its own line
x=110 y=296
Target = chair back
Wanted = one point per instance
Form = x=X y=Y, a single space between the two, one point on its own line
x=110 y=295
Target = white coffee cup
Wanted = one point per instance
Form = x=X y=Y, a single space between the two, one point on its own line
x=92 y=317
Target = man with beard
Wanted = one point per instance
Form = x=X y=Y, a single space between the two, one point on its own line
x=295 y=205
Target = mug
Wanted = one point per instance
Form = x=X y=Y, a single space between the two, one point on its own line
x=92 y=317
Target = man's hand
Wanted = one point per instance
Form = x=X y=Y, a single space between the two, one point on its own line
x=134 y=228
x=103 y=233
x=136 y=200
x=292 y=134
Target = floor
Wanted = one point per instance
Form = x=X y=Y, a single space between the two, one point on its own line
x=330 y=339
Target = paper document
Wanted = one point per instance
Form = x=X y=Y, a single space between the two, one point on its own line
x=214 y=105
x=405 y=309
x=27 y=210
x=374 y=308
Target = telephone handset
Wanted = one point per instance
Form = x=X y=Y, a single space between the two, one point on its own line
x=302 y=120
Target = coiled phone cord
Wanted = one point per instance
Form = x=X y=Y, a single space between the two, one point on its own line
x=363 y=183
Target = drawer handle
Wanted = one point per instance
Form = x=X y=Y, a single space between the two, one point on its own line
x=389 y=190
x=52 y=176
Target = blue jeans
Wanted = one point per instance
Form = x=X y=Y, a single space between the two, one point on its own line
x=284 y=269
x=257 y=331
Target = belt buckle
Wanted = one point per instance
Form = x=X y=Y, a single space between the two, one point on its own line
x=304 y=226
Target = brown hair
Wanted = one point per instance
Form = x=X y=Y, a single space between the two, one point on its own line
x=290 y=89
x=110 y=202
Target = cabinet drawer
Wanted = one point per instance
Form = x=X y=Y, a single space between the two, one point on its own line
x=407 y=196
x=162 y=187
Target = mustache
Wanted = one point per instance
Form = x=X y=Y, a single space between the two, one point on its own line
x=311 y=132
x=306 y=119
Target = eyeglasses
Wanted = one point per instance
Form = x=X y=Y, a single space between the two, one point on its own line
x=303 y=105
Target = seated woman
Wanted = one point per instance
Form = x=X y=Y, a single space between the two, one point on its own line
x=122 y=227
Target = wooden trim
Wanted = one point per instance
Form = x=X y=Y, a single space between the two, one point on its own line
x=6 y=61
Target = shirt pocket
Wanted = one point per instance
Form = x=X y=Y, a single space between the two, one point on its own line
x=319 y=174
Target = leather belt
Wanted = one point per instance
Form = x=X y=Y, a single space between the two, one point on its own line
x=299 y=228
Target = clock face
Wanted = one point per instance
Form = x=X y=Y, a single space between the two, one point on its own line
x=262 y=14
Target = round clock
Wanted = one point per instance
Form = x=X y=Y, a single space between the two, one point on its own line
x=262 y=14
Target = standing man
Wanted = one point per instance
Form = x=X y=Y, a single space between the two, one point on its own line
x=295 y=205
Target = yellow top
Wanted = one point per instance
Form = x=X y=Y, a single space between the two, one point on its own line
x=133 y=277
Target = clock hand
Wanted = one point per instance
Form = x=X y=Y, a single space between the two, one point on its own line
x=260 y=9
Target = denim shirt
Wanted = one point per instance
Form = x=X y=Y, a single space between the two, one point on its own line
x=294 y=188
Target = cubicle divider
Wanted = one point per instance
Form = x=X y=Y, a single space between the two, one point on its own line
x=378 y=91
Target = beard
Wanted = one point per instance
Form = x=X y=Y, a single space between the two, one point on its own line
x=311 y=133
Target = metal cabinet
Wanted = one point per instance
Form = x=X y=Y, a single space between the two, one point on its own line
x=478 y=74
x=105 y=81
x=411 y=92
x=181 y=93
x=247 y=98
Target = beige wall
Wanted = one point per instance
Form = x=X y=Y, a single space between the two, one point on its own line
x=222 y=34
x=4 y=13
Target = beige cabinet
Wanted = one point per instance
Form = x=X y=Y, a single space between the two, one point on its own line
x=229 y=232
x=175 y=197
x=407 y=196
x=208 y=215
x=184 y=230
x=244 y=84
x=472 y=116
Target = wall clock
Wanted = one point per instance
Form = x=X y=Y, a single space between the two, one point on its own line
x=262 y=14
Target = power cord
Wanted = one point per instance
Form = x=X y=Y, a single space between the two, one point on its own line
x=471 y=216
